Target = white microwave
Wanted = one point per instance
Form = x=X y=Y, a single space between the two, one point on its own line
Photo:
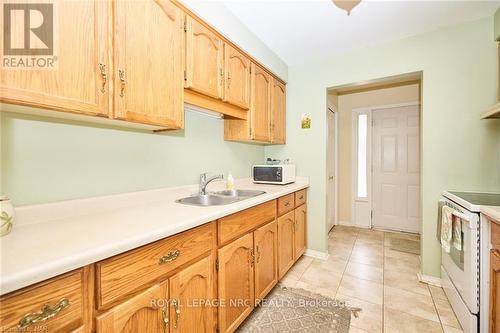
x=274 y=174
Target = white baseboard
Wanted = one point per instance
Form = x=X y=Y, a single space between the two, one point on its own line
x=432 y=280
x=316 y=254
x=350 y=224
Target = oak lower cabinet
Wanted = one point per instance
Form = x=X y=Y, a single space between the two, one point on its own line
x=286 y=243
x=79 y=79
x=266 y=259
x=300 y=231
x=148 y=66
x=146 y=312
x=236 y=282
x=178 y=304
x=494 y=291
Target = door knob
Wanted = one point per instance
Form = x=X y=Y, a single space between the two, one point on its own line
x=330 y=178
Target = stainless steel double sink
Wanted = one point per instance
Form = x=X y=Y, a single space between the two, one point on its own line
x=219 y=198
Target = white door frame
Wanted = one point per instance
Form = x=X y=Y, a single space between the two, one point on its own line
x=335 y=166
x=363 y=206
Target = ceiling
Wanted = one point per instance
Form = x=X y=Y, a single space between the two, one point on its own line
x=299 y=31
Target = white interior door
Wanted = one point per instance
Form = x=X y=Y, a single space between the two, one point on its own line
x=331 y=156
x=396 y=168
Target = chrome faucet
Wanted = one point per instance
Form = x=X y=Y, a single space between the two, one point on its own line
x=204 y=182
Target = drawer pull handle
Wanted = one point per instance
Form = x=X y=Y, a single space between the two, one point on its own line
x=165 y=320
x=287 y=203
x=177 y=313
x=121 y=75
x=171 y=256
x=44 y=314
x=104 y=76
x=301 y=197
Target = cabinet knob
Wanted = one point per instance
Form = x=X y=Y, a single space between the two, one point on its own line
x=121 y=75
x=104 y=76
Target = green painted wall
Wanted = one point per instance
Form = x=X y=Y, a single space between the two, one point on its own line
x=460 y=151
x=44 y=160
x=497 y=24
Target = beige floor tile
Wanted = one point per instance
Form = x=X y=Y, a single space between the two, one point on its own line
x=446 y=313
x=398 y=322
x=339 y=251
x=289 y=281
x=400 y=235
x=437 y=293
x=300 y=267
x=410 y=266
x=361 y=289
x=411 y=303
x=448 y=329
x=335 y=265
x=367 y=258
x=365 y=272
x=321 y=278
x=368 y=248
x=353 y=329
x=405 y=281
x=370 y=316
x=389 y=253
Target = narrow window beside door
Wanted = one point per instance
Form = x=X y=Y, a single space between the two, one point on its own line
x=362 y=156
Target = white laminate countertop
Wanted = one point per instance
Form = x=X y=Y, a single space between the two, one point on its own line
x=492 y=212
x=51 y=239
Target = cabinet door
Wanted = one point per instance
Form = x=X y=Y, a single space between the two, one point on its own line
x=204 y=56
x=237 y=67
x=300 y=231
x=188 y=289
x=286 y=242
x=236 y=282
x=148 y=63
x=261 y=104
x=278 y=113
x=79 y=80
x=494 y=291
x=266 y=259
x=146 y=312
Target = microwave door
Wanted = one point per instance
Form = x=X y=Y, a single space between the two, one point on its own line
x=268 y=174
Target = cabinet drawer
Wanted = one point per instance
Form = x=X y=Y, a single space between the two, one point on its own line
x=300 y=197
x=495 y=236
x=135 y=270
x=62 y=297
x=237 y=224
x=286 y=204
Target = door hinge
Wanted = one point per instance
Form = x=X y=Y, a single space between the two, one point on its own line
x=185 y=26
x=185 y=75
x=250 y=132
x=371 y=214
x=216 y=264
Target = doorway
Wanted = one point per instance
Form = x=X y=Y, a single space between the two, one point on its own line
x=377 y=154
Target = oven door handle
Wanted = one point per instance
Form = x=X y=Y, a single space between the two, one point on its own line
x=461 y=216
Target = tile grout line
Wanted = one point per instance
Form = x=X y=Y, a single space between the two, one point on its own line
x=435 y=308
x=347 y=263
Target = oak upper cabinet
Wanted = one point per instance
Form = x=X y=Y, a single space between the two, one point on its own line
x=494 y=291
x=266 y=259
x=278 y=115
x=187 y=288
x=286 y=243
x=300 y=230
x=236 y=282
x=149 y=75
x=204 y=59
x=237 y=77
x=79 y=80
x=260 y=104
x=146 y=312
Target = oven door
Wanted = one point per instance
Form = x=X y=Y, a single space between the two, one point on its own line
x=462 y=266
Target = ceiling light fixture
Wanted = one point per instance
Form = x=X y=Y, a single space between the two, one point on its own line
x=346 y=5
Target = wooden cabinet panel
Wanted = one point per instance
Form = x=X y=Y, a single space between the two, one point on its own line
x=286 y=243
x=237 y=224
x=300 y=231
x=187 y=288
x=75 y=83
x=495 y=235
x=127 y=273
x=236 y=283
x=204 y=56
x=300 y=197
x=266 y=259
x=278 y=112
x=286 y=203
x=494 y=291
x=237 y=83
x=149 y=83
x=67 y=301
x=261 y=104
x=146 y=312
